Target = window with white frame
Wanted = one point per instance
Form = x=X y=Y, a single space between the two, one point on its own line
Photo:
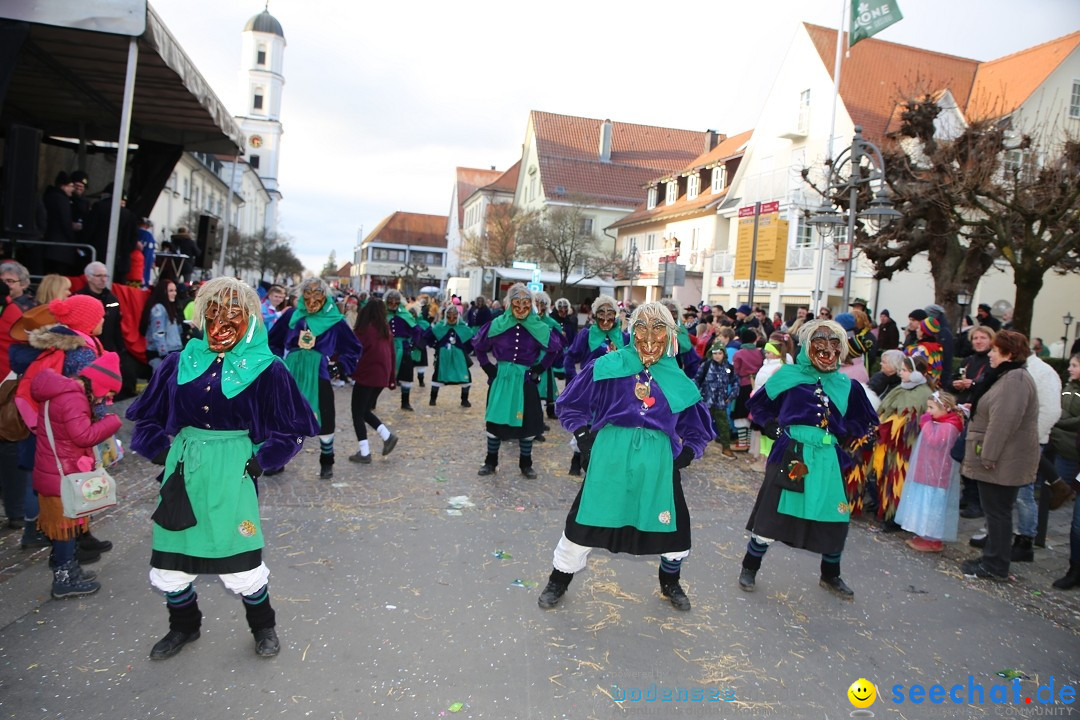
x=693 y=186
x=672 y=191
x=1074 y=101
x=804 y=111
x=631 y=245
x=186 y=189
x=719 y=178
x=650 y=242
x=695 y=235
x=586 y=226
x=651 y=202
x=804 y=236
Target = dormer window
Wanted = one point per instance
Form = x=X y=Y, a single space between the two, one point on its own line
x=719 y=178
x=651 y=202
x=693 y=186
x=672 y=191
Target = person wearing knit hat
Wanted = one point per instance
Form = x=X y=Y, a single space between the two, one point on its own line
x=104 y=375
x=930 y=327
x=915 y=317
x=774 y=360
x=719 y=387
x=81 y=313
x=927 y=346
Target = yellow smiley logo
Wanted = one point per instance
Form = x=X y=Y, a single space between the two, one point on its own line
x=862 y=693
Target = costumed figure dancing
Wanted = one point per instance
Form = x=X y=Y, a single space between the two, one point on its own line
x=451 y=339
x=603 y=336
x=316 y=343
x=514 y=350
x=813 y=412
x=407 y=338
x=214 y=415
x=638 y=421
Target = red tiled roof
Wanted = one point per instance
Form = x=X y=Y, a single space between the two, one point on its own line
x=568 y=151
x=406 y=228
x=345 y=270
x=507 y=182
x=727 y=149
x=468 y=180
x=1004 y=84
x=881 y=74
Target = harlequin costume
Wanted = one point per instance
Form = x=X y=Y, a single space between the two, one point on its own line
x=407 y=337
x=603 y=336
x=310 y=340
x=639 y=420
x=451 y=341
x=813 y=412
x=899 y=411
x=514 y=349
x=927 y=346
x=215 y=414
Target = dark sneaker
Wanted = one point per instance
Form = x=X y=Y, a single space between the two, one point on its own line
x=674 y=593
x=747 y=580
x=465 y=403
x=551 y=595
x=90 y=543
x=68 y=581
x=33 y=538
x=389 y=444
x=976 y=569
x=529 y=473
x=86 y=557
x=172 y=643
x=267 y=643
x=486 y=470
x=838 y=587
x=326 y=472
x=978 y=540
x=362 y=459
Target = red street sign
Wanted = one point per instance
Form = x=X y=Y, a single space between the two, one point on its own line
x=766 y=208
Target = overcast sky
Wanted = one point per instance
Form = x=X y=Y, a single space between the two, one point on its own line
x=383 y=100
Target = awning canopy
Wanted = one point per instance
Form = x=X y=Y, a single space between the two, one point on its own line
x=70 y=83
x=552 y=278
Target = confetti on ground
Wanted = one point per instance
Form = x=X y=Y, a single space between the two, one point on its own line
x=502 y=555
x=456 y=707
x=1011 y=674
x=460 y=501
x=455 y=513
x=524 y=583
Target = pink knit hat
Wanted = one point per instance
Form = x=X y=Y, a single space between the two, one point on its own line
x=103 y=374
x=78 y=312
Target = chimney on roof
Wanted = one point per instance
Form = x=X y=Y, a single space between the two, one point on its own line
x=711 y=139
x=492 y=167
x=606 y=129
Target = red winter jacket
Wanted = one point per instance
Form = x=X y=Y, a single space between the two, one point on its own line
x=376 y=366
x=74 y=429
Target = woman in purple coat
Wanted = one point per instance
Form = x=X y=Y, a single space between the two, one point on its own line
x=514 y=349
x=214 y=415
x=316 y=341
x=638 y=420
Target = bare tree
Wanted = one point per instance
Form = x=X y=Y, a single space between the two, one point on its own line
x=411 y=273
x=562 y=236
x=497 y=242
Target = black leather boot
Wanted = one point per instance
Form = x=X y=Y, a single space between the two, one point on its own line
x=748 y=576
x=491 y=462
x=575 y=465
x=434 y=396
x=526 y=466
x=184 y=624
x=91 y=544
x=1022 y=550
x=326 y=467
x=1071 y=579
x=558 y=582
x=672 y=590
x=465 y=398
x=405 y=400
x=261 y=620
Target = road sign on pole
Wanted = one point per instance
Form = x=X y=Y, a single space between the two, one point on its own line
x=536 y=287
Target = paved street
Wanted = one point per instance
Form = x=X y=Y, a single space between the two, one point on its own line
x=390 y=606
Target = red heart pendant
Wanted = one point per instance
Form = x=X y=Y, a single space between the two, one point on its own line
x=648 y=401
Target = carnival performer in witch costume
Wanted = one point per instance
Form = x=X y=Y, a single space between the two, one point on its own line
x=451 y=340
x=603 y=336
x=549 y=391
x=408 y=335
x=310 y=337
x=514 y=349
x=215 y=414
x=642 y=421
x=811 y=410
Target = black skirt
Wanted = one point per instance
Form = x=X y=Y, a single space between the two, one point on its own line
x=813 y=535
x=629 y=539
x=206 y=566
x=326 y=407
x=532 y=420
x=405 y=369
x=741 y=409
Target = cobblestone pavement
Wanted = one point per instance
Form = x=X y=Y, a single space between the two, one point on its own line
x=394 y=601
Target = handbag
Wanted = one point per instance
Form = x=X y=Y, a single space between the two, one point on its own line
x=793 y=470
x=12 y=426
x=82 y=493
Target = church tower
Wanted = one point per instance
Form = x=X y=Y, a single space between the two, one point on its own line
x=261 y=83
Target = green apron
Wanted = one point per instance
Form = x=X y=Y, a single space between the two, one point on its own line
x=506 y=401
x=629 y=481
x=304 y=366
x=222 y=495
x=823 y=498
x=452 y=365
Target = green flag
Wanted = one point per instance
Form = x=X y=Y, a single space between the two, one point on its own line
x=869 y=17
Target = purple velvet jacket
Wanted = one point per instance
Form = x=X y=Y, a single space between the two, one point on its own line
x=515 y=345
x=338 y=343
x=271 y=409
x=413 y=336
x=601 y=402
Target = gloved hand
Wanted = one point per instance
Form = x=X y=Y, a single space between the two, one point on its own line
x=584 y=438
x=253 y=468
x=334 y=370
x=534 y=374
x=771 y=430
x=684 y=458
x=491 y=371
x=160 y=458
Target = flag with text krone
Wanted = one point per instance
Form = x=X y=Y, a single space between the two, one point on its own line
x=869 y=17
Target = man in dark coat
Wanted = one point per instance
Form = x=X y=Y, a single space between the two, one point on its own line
x=888 y=333
x=58 y=225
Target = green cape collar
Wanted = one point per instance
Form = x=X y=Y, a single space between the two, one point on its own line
x=318 y=322
x=240 y=365
x=679 y=390
x=836 y=384
x=598 y=336
x=533 y=324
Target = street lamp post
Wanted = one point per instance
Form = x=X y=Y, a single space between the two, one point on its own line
x=963 y=299
x=880 y=212
x=1068 y=320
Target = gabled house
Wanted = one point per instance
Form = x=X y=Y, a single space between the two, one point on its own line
x=678 y=224
x=793 y=133
x=401 y=244
x=466 y=182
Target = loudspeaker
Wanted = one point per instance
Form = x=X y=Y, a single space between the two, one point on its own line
x=20 y=199
x=207 y=232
